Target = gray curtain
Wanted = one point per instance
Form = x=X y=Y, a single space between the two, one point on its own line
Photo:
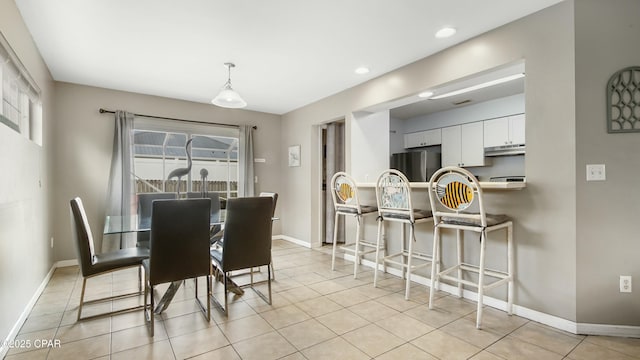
x=121 y=191
x=246 y=185
x=334 y=162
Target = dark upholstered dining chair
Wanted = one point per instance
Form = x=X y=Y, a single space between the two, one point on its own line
x=92 y=264
x=145 y=201
x=179 y=248
x=274 y=198
x=247 y=242
x=216 y=232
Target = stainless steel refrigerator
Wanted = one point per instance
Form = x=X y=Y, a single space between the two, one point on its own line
x=418 y=166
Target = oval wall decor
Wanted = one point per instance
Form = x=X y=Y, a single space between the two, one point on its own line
x=623 y=101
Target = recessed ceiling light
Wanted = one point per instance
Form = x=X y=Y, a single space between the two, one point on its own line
x=425 y=94
x=362 y=70
x=445 y=32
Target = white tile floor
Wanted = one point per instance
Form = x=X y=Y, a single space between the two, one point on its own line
x=316 y=314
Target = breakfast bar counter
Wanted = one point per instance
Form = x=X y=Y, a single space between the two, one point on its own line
x=485 y=185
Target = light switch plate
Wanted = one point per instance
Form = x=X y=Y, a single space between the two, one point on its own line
x=596 y=172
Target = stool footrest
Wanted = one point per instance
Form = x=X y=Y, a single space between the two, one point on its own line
x=387 y=259
x=415 y=255
x=501 y=275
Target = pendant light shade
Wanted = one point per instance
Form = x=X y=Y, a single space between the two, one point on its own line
x=229 y=98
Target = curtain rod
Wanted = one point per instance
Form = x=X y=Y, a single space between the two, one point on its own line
x=102 y=111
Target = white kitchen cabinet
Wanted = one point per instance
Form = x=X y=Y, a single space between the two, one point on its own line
x=508 y=130
x=422 y=138
x=463 y=145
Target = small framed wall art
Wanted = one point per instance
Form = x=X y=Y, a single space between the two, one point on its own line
x=294 y=155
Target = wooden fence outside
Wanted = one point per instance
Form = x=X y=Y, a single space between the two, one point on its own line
x=148 y=186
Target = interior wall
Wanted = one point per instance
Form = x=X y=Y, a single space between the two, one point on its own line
x=84 y=141
x=371 y=132
x=25 y=187
x=545 y=254
x=607 y=34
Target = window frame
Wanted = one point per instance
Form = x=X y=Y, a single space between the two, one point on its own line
x=24 y=102
x=142 y=123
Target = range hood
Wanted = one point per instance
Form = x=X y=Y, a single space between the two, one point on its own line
x=504 y=150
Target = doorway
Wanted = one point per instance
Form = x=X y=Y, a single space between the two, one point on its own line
x=333 y=161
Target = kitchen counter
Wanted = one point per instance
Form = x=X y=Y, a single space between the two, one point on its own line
x=485 y=185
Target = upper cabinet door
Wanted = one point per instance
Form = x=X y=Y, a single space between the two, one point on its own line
x=516 y=129
x=433 y=137
x=422 y=138
x=451 y=146
x=496 y=132
x=472 y=149
x=508 y=130
x=413 y=140
x=462 y=145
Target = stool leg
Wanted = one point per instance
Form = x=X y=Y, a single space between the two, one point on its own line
x=375 y=270
x=384 y=247
x=459 y=245
x=402 y=249
x=409 y=261
x=434 y=263
x=483 y=246
x=335 y=240
x=356 y=250
x=510 y=269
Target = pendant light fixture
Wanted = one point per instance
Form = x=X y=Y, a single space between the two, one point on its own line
x=229 y=98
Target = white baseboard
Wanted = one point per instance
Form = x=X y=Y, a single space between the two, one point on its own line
x=4 y=347
x=65 y=263
x=292 y=240
x=609 y=330
x=537 y=316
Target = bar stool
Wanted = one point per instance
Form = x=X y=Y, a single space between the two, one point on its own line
x=453 y=191
x=393 y=195
x=346 y=202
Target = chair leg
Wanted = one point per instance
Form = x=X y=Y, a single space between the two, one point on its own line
x=207 y=311
x=84 y=285
x=225 y=275
x=483 y=245
x=409 y=264
x=356 y=249
x=269 y=285
x=335 y=240
x=209 y=294
x=510 y=269
x=434 y=262
x=375 y=270
x=273 y=272
x=152 y=312
x=402 y=249
x=146 y=293
x=459 y=253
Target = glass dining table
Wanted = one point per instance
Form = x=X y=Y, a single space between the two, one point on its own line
x=136 y=224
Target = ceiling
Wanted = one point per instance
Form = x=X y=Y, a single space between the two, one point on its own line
x=288 y=53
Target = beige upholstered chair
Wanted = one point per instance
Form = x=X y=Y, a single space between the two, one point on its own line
x=92 y=264
x=456 y=200
x=347 y=203
x=393 y=195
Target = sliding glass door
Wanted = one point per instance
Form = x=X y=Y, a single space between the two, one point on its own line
x=159 y=150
